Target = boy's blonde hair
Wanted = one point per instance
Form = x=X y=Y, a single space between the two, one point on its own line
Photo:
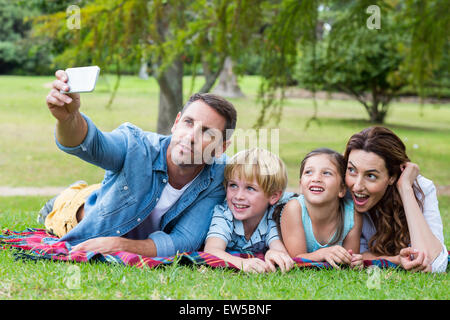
x=258 y=164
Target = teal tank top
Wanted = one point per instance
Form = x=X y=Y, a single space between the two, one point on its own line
x=311 y=243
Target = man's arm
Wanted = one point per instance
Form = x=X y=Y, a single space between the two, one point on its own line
x=108 y=245
x=74 y=130
x=188 y=234
x=71 y=128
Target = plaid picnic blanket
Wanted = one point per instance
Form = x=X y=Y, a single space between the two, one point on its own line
x=37 y=244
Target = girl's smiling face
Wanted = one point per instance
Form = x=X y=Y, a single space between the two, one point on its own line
x=320 y=181
x=367 y=179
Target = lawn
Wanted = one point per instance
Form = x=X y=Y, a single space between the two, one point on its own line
x=29 y=157
x=48 y=280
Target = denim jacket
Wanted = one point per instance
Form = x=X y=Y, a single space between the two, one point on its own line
x=136 y=173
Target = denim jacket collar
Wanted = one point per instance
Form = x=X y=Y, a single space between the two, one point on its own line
x=161 y=162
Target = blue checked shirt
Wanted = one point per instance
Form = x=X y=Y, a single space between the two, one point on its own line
x=225 y=227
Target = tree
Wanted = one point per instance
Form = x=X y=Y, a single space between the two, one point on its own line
x=372 y=65
x=17 y=53
x=363 y=63
x=293 y=24
x=20 y=51
x=119 y=32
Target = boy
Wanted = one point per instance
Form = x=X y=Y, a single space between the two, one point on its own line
x=254 y=181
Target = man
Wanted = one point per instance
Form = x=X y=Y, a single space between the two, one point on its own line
x=158 y=191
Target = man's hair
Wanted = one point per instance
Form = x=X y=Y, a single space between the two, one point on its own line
x=221 y=105
x=258 y=164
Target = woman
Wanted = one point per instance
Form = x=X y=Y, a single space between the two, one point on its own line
x=400 y=210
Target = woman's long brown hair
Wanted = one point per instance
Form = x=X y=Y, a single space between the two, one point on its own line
x=388 y=214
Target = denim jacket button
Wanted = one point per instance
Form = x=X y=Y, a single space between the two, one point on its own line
x=138 y=219
x=118 y=231
x=164 y=180
x=125 y=188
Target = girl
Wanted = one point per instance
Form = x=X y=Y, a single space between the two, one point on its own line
x=320 y=224
x=400 y=209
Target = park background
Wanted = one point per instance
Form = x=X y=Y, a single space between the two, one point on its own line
x=315 y=71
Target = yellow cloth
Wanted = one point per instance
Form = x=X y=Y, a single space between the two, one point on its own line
x=63 y=217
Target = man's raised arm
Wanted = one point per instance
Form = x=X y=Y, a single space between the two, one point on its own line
x=71 y=127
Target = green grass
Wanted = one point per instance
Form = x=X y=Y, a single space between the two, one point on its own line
x=48 y=280
x=29 y=157
x=100 y=281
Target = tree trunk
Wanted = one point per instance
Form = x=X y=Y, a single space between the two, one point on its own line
x=170 y=96
x=170 y=79
x=210 y=76
x=376 y=115
x=228 y=86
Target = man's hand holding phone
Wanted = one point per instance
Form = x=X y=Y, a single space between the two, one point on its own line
x=63 y=102
x=62 y=106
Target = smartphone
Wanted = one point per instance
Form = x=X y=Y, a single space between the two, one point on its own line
x=82 y=79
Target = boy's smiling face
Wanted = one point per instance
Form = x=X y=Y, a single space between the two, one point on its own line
x=247 y=201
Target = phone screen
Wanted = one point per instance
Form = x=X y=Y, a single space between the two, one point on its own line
x=82 y=79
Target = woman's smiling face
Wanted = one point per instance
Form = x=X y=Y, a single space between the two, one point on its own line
x=367 y=179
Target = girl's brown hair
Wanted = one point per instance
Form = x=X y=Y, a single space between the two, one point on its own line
x=388 y=214
x=340 y=164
